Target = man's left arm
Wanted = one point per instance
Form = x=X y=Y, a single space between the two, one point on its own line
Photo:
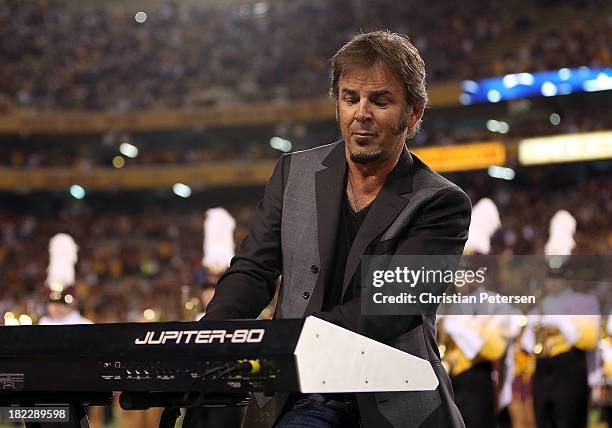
x=440 y=228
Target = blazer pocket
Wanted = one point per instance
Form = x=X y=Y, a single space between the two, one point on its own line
x=381 y=247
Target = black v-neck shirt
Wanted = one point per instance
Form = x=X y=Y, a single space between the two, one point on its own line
x=348 y=226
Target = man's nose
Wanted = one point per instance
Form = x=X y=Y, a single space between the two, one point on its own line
x=363 y=112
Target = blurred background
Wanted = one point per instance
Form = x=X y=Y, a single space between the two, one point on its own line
x=122 y=122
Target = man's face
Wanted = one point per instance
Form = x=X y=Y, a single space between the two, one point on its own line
x=373 y=115
x=58 y=310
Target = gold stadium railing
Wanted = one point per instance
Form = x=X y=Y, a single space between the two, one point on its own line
x=16 y=121
x=220 y=173
x=204 y=175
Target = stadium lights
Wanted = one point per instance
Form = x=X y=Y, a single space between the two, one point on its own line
x=149 y=314
x=548 y=89
x=526 y=79
x=494 y=96
x=129 y=150
x=551 y=83
x=77 y=192
x=11 y=321
x=465 y=99
x=510 y=81
x=498 y=126
x=501 y=172
x=554 y=119
x=140 y=17
x=602 y=82
x=181 y=190
x=118 y=162
x=280 y=144
x=25 y=319
x=470 y=86
x=565 y=73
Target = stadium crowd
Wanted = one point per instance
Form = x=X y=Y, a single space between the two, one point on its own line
x=579 y=43
x=138 y=252
x=66 y=55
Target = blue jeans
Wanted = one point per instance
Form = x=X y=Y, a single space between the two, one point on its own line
x=310 y=413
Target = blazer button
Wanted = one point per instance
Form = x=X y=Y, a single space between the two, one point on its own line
x=314 y=269
x=305 y=294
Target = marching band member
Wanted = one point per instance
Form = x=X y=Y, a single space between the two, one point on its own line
x=218 y=250
x=62 y=306
x=477 y=336
x=560 y=337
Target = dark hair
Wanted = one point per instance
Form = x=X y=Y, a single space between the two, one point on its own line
x=394 y=51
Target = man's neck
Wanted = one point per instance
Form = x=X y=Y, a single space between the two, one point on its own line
x=369 y=178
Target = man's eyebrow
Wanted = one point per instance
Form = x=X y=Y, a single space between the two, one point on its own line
x=376 y=93
x=380 y=93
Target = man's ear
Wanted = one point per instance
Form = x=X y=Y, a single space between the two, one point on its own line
x=416 y=115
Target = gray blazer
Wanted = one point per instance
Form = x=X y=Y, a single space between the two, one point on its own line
x=293 y=231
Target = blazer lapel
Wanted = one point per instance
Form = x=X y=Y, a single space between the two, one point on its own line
x=329 y=185
x=385 y=208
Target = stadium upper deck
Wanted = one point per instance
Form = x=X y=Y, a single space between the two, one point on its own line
x=62 y=55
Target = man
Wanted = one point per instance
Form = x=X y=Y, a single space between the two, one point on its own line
x=59 y=286
x=63 y=311
x=561 y=331
x=60 y=292
x=476 y=336
x=325 y=208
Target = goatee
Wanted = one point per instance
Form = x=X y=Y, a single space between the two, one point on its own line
x=366 y=157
